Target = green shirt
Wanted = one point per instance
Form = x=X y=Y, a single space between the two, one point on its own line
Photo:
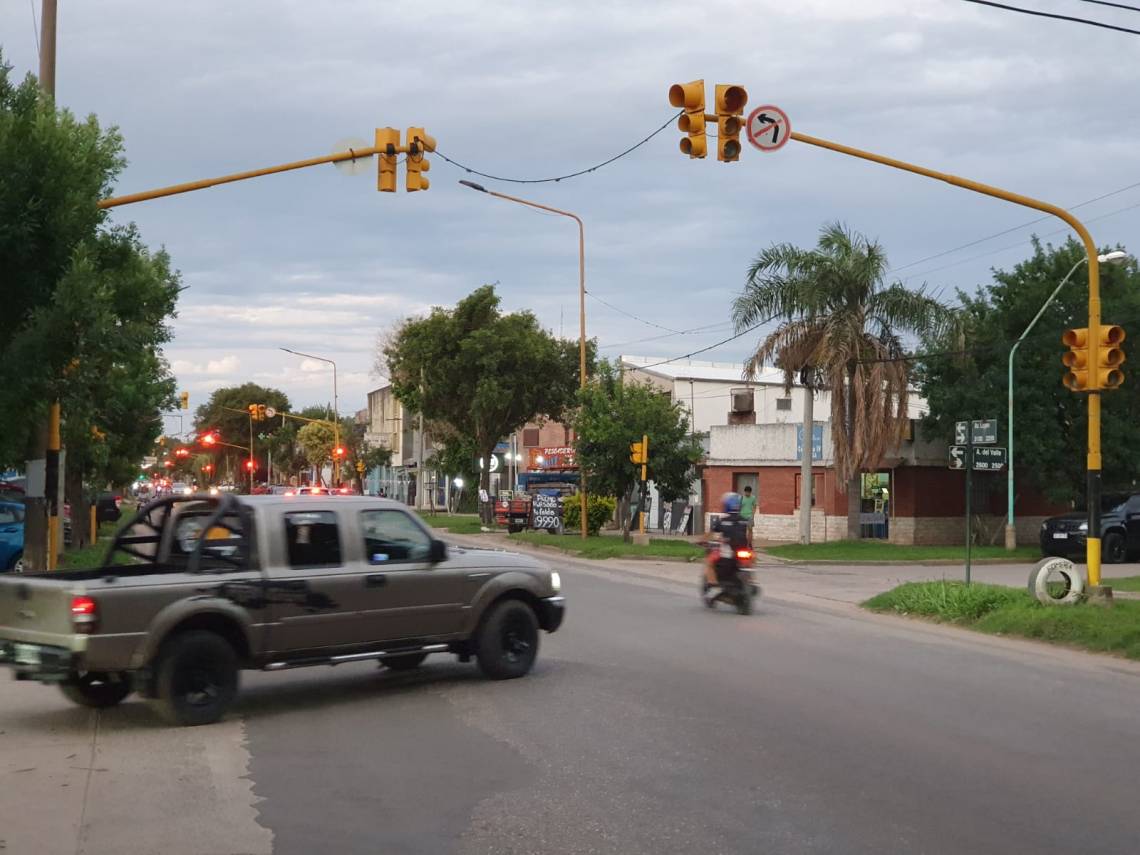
x=748 y=507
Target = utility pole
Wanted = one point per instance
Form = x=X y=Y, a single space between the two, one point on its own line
x=808 y=458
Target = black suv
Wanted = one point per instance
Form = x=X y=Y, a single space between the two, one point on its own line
x=1066 y=535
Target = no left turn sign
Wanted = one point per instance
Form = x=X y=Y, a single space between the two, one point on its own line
x=768 y=128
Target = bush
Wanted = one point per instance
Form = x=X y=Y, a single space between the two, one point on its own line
x=948 y=601
x=599 y=511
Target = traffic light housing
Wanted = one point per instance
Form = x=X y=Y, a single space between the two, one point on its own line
x=1081 y=375
x=249 y=465
x=182 y=452
x=338 y=452
x=252 y=408
x=260 y=417
x=1109 y=357
x=637 y=453
x=388 y=143
x=690 y=97
x=730 y=101
x=1076 y=361
x=419 y=143
x=184 y=401
x=209 y=438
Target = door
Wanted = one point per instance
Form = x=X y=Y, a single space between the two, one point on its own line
x=313 y=596
x=405 y=596
x=1132 y=522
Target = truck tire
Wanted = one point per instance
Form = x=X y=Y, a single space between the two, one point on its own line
x=507 y=641
x=97 y=690
x=404 y=662
x=196 y=678
x=1115 y=548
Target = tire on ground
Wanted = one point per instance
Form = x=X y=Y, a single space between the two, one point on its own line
x=196 y=678
x=97 y=690
x=507 y=641
x=404 y=662
x=1039 y=581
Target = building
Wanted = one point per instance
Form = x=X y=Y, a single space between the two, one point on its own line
x=388 y=425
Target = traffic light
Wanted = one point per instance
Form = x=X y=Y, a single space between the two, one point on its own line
x=691 y=98
x=730 y=101
x=388 y=143
x=1076 y=361
x=182 y=452
x=184 y=401
x=419 y=143
x=252 y=408
x=210 y=438
x=1109 y=357
x=637 y=453
x=249 y=465
x=260 y=417
x=338 y=452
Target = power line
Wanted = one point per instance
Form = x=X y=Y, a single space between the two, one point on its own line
x=35 y=26
x=710 y=347
x=631 y=315
x=1113 y=5
x=693 y=331
x=634 y=147
x=1035 y=13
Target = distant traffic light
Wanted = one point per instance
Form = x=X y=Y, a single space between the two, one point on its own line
x=730 y=101
x=691 y=98
x=637 y=452
x=210 y=438
x=182 y=452
x=260 y=417
x=184 y=401
x=249 y=465
x=419 y=143
x=338 y=452
x=388 y=142
x=252 y=409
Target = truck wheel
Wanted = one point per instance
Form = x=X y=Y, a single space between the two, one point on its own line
x=97 y=690
x=196 y=678
x=405 y=662
x=508 y=641
x=1115 y=548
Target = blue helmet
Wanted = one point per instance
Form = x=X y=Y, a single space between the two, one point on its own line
x=730 y=502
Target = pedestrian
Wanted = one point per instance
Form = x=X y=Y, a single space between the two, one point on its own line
x=748 y=510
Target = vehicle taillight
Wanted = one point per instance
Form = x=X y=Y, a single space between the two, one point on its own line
x=118 y=502
x=84 y=615
x=744 y=554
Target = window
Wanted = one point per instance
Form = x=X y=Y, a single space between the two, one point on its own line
x=11 y=514
x=312 y=539
x=783 y=403
x=393 y=536
x=530 y=437
x=816 y=487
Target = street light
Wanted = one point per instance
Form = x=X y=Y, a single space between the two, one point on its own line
x=336 y=409
x=581 y=307
x=1115 y=257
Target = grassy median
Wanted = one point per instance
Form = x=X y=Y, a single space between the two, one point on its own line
x=1000 y=610
x=871 y=550
x=612 y=546
x=454 y=523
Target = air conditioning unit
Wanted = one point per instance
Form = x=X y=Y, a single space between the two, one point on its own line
x=743 y=401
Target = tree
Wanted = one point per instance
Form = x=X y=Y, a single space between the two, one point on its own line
x=972 y=380
x=845 y=327
x=316 y=441
x=610 y=416
x=226 y=412
x=480 y=372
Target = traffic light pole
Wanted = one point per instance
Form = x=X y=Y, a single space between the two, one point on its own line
x=1093 y=458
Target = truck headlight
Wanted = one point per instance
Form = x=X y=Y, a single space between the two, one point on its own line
x=1083 y=527
x=555 y=581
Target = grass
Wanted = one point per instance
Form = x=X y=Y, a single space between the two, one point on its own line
x=455 y=523
x=611 y=547
x=93 y=554
x=1127 y=583
x=870 y=550
x=1010 y=611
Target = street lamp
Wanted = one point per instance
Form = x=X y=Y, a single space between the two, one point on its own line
x=1115 y=257
x=581 y=306
x=336 y=409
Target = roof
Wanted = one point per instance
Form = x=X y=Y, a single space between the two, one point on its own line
x=688 y=369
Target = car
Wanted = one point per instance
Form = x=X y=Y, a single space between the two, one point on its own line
x=218 y=584
x=11 y=537
x=1067 y=535
x=108 y=508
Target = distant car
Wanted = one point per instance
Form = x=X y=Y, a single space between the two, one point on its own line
x=1067 y=535
x=11 y=537
x=108 y=508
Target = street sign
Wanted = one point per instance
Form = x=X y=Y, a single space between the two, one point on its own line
x=985 y=431
x=957 y=457
x=768 y=128
x=961 y=436
x=989 y=459
x=270 y=412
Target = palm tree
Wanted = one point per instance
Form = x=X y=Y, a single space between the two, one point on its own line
x=842 y=327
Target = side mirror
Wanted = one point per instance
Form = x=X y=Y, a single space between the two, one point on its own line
x=438 y=552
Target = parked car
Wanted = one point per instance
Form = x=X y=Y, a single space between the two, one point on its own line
x=11 y=537
x=108 y=508
x=220 y=584
x=1067 y=535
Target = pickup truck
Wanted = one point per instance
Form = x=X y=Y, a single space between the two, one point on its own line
x=196 y=588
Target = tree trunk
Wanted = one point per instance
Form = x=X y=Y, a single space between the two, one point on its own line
x=854 y=505
x=487 y=508
x=80 y=507
x=806 y=462
x=625 y=515
x=35 y=503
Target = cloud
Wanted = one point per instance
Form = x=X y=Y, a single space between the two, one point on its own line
x=225 y=365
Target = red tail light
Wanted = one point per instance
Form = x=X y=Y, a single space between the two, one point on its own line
x=744 y=554
x=84 y=615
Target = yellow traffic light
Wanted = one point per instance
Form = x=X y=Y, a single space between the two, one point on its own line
x=184 y=401
x=730 y=101
x=252 y=411
x=1076 y=361
x=388 y=143
x=637 y=453
x=691 y=98
x=1109 y=357
x=260 y=412
x=419 y=143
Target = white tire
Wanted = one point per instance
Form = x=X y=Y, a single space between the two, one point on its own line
x=1039 y=579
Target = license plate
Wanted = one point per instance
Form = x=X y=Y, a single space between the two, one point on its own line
x=26 y=654
x=1060 y=535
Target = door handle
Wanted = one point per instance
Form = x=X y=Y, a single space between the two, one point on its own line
x=375 y=580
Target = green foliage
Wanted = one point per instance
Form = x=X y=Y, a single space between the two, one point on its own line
x=947 y=601
x=875 y=550
x=599 y=511
x=455 y=523
x=608 y=546
x=316 y=441
x=480 y=373
x=611 y=415
x=226 y=411
x=1050 y=420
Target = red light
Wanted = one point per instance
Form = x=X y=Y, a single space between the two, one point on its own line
x=209 y=438
x=83 y=606
x=289 y=493
x=84 y=614
x=168 y=464
x=182 y=452
x=338 y=451
x=249 y=464
x=315 y=490
x=744 y=554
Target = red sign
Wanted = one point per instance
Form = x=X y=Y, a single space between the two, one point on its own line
x=553 y=458
x=768 y=128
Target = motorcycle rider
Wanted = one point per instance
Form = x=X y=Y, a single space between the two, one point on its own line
x=733 y=531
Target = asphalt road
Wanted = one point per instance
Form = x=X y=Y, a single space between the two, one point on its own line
x=652 y=725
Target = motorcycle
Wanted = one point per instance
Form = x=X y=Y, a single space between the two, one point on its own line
x=735 y=585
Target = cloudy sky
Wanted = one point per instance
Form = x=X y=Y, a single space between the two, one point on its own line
x=319 y=261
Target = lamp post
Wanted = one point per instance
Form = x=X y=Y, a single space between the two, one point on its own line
x=1114 y=257
x=581 y=308
x=336 y=411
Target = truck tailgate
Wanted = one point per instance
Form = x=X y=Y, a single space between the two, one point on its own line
x=37 y=609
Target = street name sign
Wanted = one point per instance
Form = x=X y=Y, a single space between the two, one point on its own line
x=985 y=431
x=989 y=458
x=768 y=128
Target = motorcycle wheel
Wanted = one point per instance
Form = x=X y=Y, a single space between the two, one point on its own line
x=744 y=600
